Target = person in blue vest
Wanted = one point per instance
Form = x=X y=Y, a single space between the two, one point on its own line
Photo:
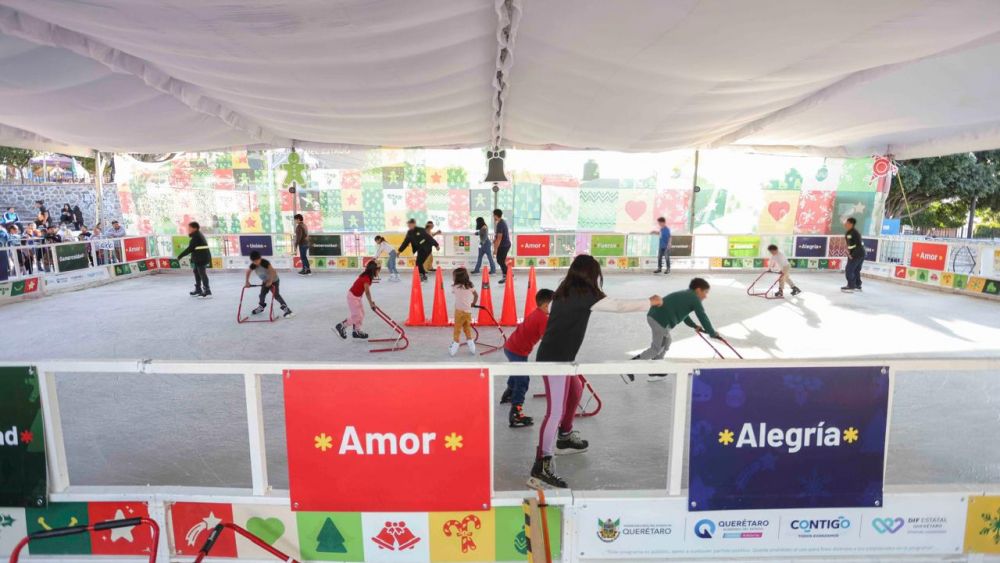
x=10 y=217
x=664 y=248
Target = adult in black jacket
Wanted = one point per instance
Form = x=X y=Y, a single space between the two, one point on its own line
x=421 y=242
x=201 y=258
x=855 y=257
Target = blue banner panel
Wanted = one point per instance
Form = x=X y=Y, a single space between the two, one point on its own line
x=260 y=243
x=810 y=247
x=871 y=249
x=787 y=438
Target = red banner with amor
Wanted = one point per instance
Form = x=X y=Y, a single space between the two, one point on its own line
x=533 y=245
x=135 y=249
x=386 y=441
x=928 y=255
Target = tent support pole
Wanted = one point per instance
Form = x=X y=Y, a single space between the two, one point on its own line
x=98 y=186
x=694 y=194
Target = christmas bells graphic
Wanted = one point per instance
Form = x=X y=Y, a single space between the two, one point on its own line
x=395 y=536
x=462 y=530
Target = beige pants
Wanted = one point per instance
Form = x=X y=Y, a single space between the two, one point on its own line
x=785 y=278
x=463 y=323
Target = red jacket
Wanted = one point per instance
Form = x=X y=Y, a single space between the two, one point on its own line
x=528 y=333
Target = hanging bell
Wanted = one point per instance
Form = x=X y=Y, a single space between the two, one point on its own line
x=495 y=172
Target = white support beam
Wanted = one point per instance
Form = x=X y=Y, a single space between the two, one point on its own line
x=255 y=430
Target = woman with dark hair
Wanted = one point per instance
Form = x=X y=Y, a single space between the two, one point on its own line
x=578 y=295
x=485 y=248
x=66 y=215
x=77 y=217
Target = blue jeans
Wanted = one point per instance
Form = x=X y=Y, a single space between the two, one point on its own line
x=485 y=249
x=664 y=253
x=304 y=255
x=518 y=384
x=853 y=272
x=391 y=264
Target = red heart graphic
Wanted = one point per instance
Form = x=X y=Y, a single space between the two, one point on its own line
x=635 y=209
x=778 y=209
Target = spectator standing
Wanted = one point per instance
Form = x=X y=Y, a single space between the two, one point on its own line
x=42 y=214
x=77 y=217
x=501 y=242
x=302 y=242
x=115 y=232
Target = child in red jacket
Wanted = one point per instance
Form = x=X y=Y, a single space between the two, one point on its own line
x=517 y=349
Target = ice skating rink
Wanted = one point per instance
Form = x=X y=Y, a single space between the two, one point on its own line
x=940 y=419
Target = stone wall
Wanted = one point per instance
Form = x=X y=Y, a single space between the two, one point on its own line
x=23 y=197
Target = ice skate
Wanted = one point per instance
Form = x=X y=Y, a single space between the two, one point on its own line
x=359 y=334
x=847 y=289
x=796 y=291
x=195 y=293
x=657 y=377
x=779 y=293
x=288 y=313
x=657 y=271
x=258 y=310
x=341 y=330
x=571 y=443
x=207 y=294
x=543 y=475
x=453 y=349
x=517 y=419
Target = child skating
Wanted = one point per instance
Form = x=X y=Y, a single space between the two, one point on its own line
x=675 y=309
x=361 y=287
x=517 y=349
x=269 y=282
x=465 y=299
x=778 y=263
x=577 y=297
x=385 y=249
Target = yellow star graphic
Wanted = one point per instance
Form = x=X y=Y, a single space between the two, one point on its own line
x=323 y=442
x=726 y=437
x=453 y=441
x=851 y=435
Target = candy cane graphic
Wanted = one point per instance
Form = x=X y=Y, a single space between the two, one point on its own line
x=462 y=531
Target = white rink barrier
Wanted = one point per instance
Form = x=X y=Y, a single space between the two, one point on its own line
x=914 y=522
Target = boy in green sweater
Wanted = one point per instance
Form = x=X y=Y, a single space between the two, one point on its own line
x=675 y=310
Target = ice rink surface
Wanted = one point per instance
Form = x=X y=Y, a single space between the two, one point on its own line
x=190 y=430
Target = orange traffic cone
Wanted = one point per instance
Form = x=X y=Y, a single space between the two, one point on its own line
x=439 y=311
x=508 y=316
x=486 y=301
x=529 y=299
x=416 y=317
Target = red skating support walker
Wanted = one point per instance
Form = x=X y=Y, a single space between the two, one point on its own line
x=270 y=311
x=592 y=397
x=708 y=341
x=87 y=528
x=213 y=536
x=400 y=334
x=489 y=348
x=768 y=293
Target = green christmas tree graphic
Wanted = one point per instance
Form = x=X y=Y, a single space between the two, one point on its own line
x=330 y=540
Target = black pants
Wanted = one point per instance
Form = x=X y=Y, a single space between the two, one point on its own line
x=853 y=272
x=502 y=259
x=422 y=255
x=277 y=294
x=664 y=253
x=200 y=277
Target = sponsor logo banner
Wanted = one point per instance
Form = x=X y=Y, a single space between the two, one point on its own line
x=744 y=246
x=681 y=245
x=533 y=245
x=627 y=529
x=377 y=452
x=871 y=248
x=607 y=245
x=72 y=257
x=135 y=249
x=22 y=439
x=777 y=437
x=810 y=246
x=326 y=245
x=982 y=528
x=927 y=255
x=260 y=243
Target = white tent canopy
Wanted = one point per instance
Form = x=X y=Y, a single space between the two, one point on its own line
x=847 y=78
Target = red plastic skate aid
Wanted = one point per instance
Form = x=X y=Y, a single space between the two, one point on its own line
x=769 y=293
x=708 y=341
x=240 y=319
x=213 y=536
x=489 y=348
x=400 y=334
x=87 y=528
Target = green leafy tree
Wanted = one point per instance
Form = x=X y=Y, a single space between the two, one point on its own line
x=958 y=183
x=18 y=158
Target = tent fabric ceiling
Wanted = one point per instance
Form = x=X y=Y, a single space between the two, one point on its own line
x=849 y=78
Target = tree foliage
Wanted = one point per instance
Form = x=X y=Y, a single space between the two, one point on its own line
x=18 y=158
x=959 y=180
